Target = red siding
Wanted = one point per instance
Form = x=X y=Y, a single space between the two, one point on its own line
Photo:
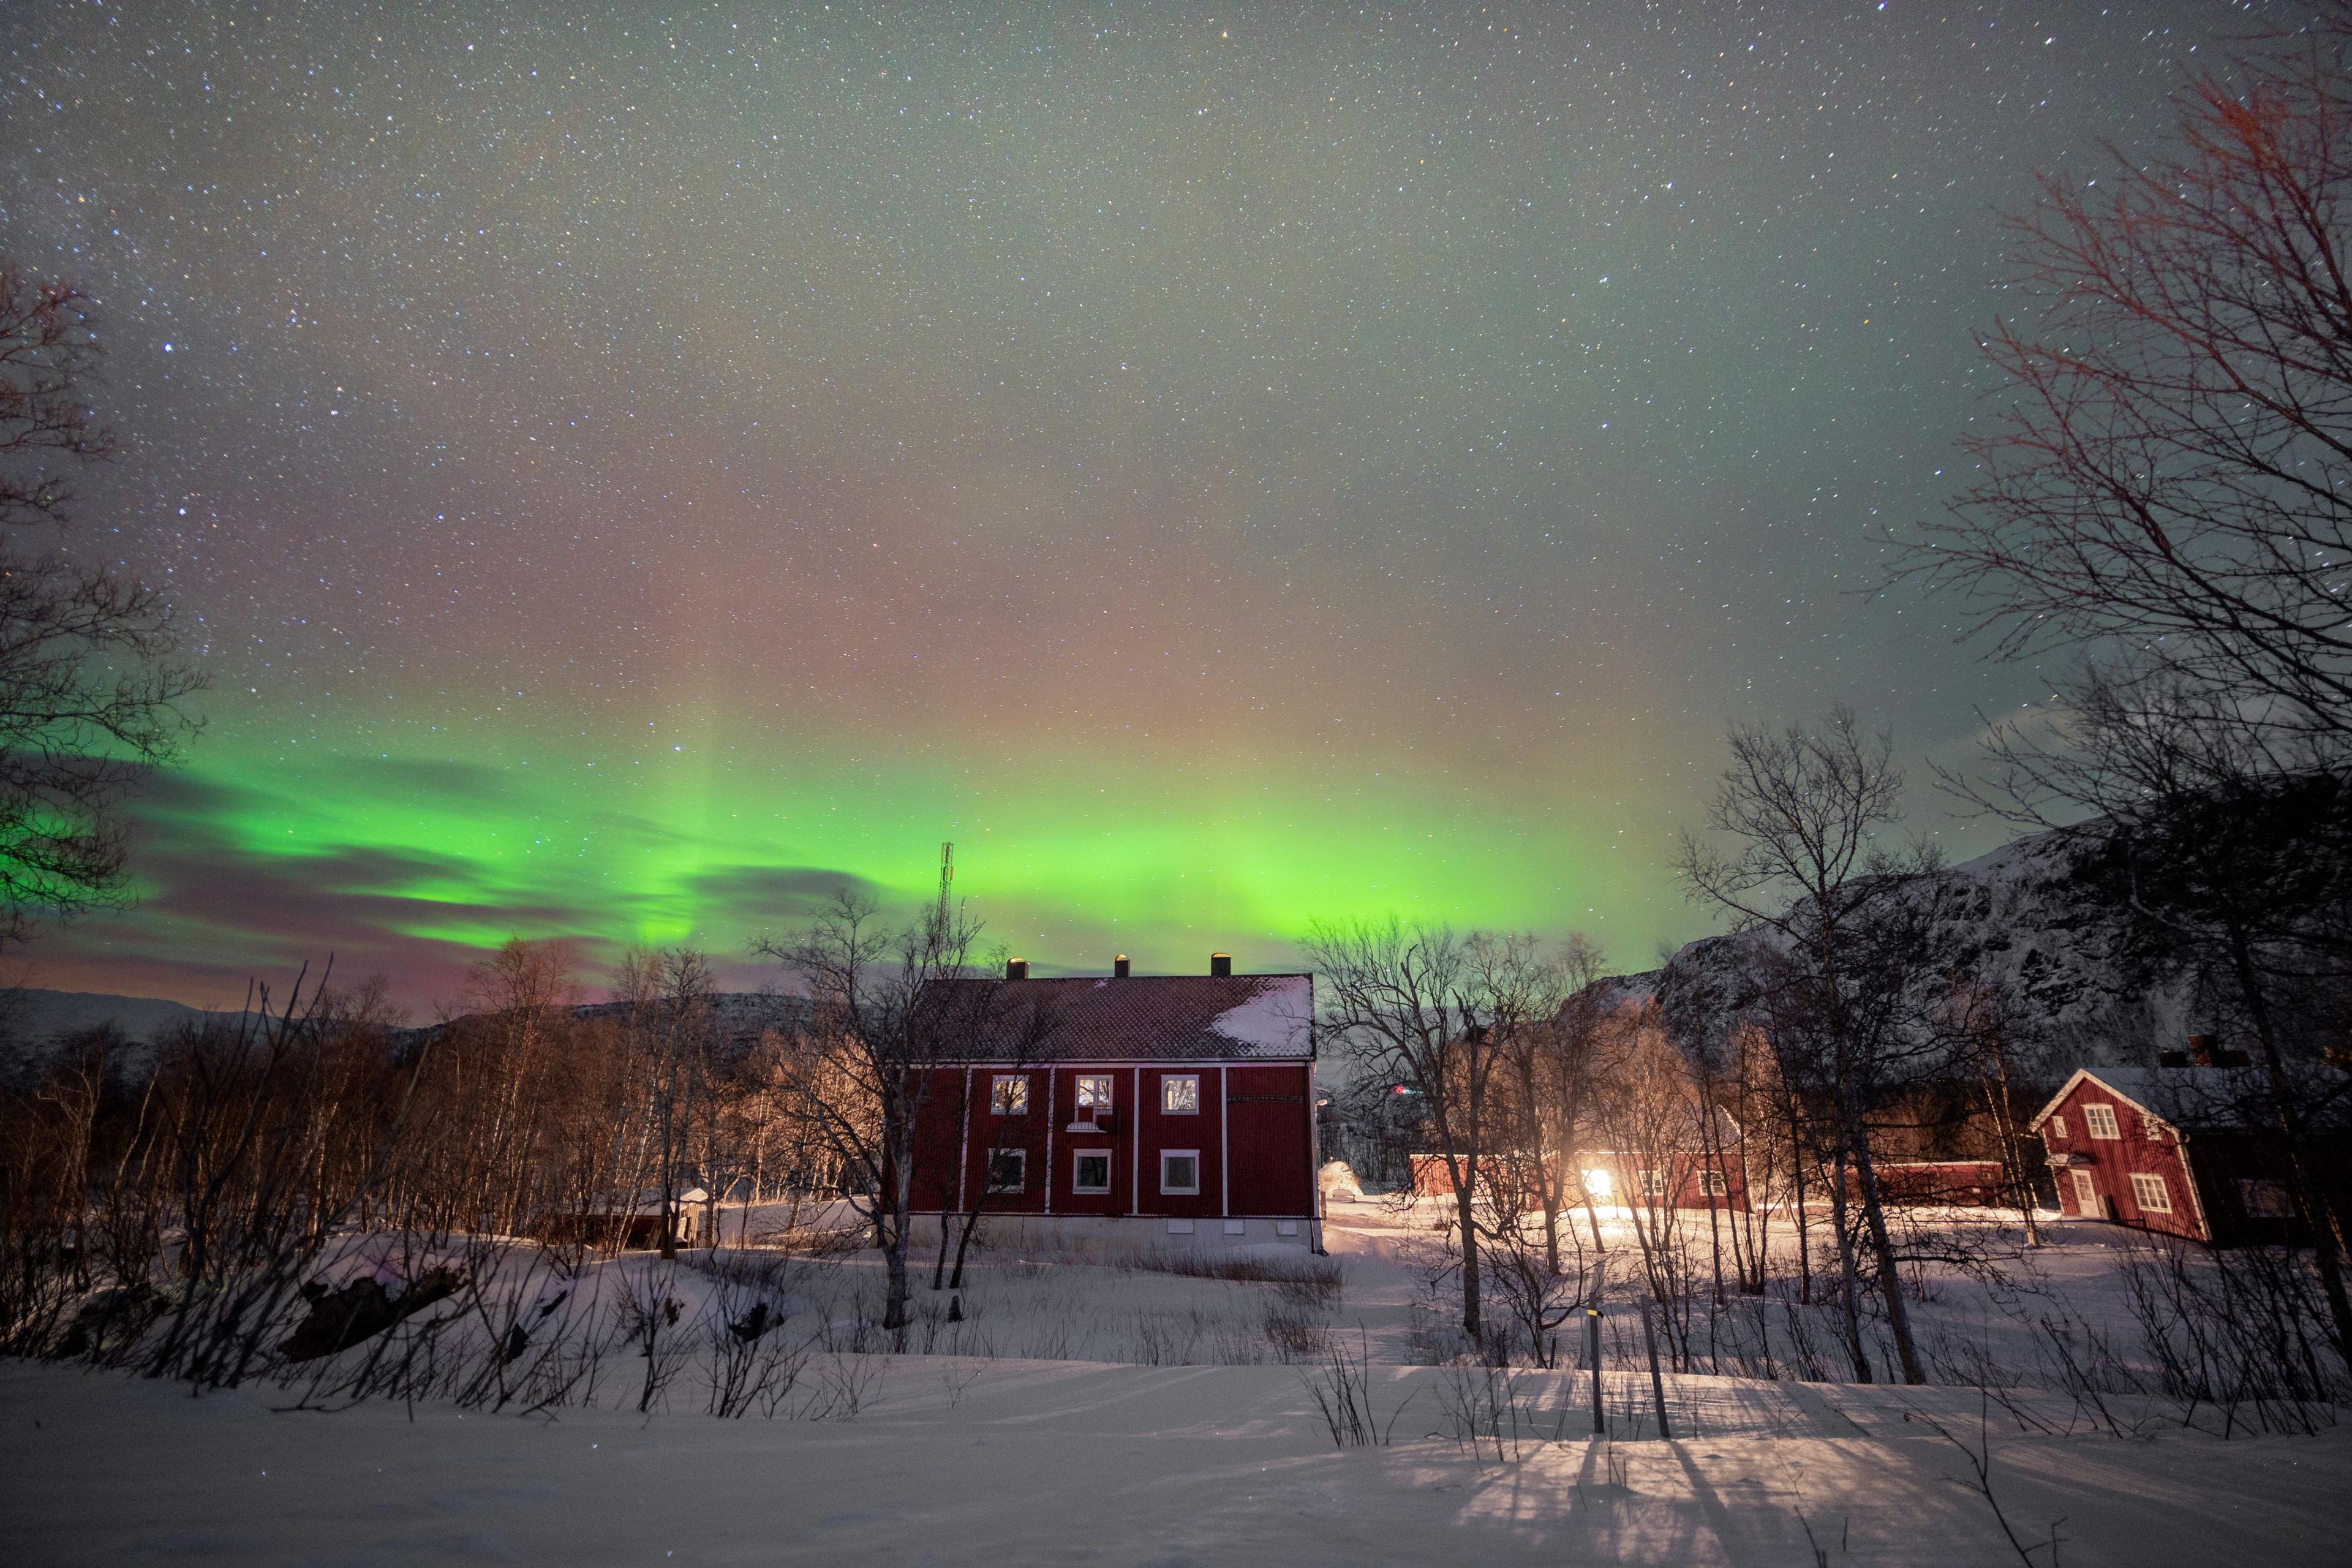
x=1161 y=1131
x=1260 y=1166
x=2139 y=1148
x=1066 y=1143
x=1270 y=1111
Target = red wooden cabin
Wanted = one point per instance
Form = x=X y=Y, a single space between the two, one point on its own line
x=2179 y=1150
x=1163 y=1104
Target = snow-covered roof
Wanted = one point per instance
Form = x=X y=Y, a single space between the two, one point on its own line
x=1151 y=1017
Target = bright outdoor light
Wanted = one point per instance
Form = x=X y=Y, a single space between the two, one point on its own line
x=1597 y=1183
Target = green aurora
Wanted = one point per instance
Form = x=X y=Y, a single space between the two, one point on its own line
x=631 y=474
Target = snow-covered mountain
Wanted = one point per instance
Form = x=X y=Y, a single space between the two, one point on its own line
x=2025 y=918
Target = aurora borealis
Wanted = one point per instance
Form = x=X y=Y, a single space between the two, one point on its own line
x=631 y=469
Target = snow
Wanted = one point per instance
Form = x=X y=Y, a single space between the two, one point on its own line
x=1274 y=1020
x=1036 y=1462
x=1049 y=1446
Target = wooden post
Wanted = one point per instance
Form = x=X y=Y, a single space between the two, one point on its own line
x=1592 y=1355
x=1657 y=1383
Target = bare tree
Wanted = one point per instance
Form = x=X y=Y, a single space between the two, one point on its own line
x=92 y=683
x=668 y=1023
x=2171 y=464
x=1804 y=813
x=882 y=1030
x=1543 y=1024
x=1394 y=998
x=1455 y=1019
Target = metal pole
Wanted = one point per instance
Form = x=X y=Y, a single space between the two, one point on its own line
x=1592 y=1357
x=1657 y=1383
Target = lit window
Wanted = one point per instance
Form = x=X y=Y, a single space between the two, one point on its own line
x=1180 y=1095
x=2150 y=1193
x=2263 y=1199
x=1090 y=1170
x=1180 y=1171
x=1008 y=1094
x=2100 y=1120
x=2058 y=1126
x=1008 y=1170
x=1094 y=1094
x=1596 y=1182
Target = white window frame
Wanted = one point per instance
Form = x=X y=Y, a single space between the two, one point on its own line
x=1654 y=1184
x=2058 y=1126
x=1713 y=1184
x=1192 y=1154
x=2100 y=1118
x=1021 y=1159
x=1077 y=1158
x=1096 y=1084
x=2144 y=1184
x=1167 y=1082
x=1014 y=1103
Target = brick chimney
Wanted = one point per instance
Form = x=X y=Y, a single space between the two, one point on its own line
x=1221 y=967
x=1118 y=967
x=2200 y=1051
x=1016 y=969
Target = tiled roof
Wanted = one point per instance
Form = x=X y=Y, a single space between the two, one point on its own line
x=1151 y=1017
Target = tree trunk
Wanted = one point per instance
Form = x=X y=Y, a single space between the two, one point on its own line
x=1890 y=1280
x=1848 y=1277
x=1465 y=1202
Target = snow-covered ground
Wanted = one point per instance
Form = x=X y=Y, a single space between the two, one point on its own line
x=1040 y=1447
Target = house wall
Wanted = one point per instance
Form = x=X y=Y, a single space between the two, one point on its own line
x=1268 y=1140
x=2149 y=1150
x=1253 y=1134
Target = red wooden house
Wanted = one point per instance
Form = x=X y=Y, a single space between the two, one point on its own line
x=2183 y=1150
x=1177 y=1105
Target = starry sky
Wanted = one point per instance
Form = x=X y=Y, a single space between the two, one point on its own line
x=631 y=471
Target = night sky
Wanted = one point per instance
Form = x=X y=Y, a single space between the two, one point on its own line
x=629 y=473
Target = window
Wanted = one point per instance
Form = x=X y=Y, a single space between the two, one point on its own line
x=2150 y=1193
x=1712 y=1184
x=1008 y=1094
x=1008 y=1170
x=1094 y=1095
x=1090 y=1170
x=2058 y=1126
x=2263 y=1199
x=1179 y=1094
x=1654 y=1184
x=2101 y=1120
x=1179 y=1169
